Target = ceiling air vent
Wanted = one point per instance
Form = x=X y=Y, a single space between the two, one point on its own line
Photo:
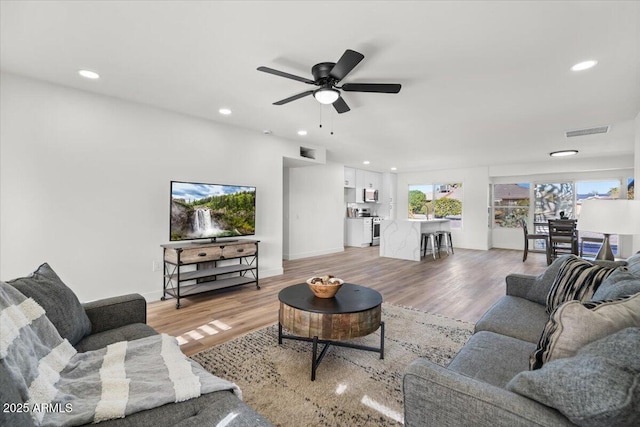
x=587 y=131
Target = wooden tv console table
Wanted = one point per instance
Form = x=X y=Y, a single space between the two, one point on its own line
x=193 y=268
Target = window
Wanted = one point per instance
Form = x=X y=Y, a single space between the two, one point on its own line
x=510 y=204
x=609 y=189
x=421 y=201
x=431 y=201
x=553 y=201
x=630 y=188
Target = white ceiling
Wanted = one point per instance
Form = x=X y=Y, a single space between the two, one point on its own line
x=483 y=83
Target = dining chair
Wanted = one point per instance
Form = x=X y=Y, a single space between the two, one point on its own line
x=563 y=238
x=532 y=236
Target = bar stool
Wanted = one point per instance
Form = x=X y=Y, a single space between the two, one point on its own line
x=446 y=236
x=424 y=243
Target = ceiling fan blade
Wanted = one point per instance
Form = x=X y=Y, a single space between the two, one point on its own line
x=371 y=87
x=294 y=97
x=341 y=106
x=346 y=63
x=287 y=75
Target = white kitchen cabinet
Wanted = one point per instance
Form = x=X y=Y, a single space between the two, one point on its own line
x=349 y=177
x=363 y=179
x=372 y=180
x=358 y=232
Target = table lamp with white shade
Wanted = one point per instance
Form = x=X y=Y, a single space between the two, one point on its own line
x=609 y=217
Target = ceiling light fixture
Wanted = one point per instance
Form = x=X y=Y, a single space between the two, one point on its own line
x=88 y=74
x=302 y=132
x=224 y=111
x=326 y=95
x=585 y=65
x=564 y=153
x=366 y=162
x=394 y=168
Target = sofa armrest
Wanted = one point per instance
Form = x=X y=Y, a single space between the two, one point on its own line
x=519 y=285
x=436 y=396
x=111 y=313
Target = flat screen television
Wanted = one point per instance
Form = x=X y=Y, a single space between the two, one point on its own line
x=210 y=211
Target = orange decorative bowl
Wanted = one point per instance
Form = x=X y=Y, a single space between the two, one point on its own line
x=321 y=290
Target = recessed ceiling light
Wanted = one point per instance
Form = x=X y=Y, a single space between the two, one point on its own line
x=585 y=65
x=224 y=111
x=564 y=153
x=366 y=162
x=394 y=168
x=302 y=132
x=267 y=132
x=88 y=74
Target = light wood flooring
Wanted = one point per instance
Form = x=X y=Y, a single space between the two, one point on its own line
x=462 y=286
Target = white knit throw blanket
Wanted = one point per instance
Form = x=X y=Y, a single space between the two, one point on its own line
x=62 y=387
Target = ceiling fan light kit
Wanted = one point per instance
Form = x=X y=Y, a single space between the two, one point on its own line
x=327 y=75
x=326 y=95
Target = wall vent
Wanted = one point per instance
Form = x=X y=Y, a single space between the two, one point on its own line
x=587 y=131
x=308 y=153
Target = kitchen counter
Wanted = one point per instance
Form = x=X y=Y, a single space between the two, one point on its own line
x=401 y=238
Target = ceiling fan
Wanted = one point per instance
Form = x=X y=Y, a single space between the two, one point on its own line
x=327 y=75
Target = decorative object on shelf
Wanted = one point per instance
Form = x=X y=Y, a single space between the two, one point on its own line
x=325 y=286
x=609 y=217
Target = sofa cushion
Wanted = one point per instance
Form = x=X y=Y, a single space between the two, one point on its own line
x=603 y=377
x=492 y=358
x=574 y=325
x=515 y=317
x=577 y=280
x=543 y=282
x=621 y=283
x=59 y=302
x=124 y=333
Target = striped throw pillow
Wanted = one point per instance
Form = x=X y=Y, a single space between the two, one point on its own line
x=574 y=324
x=577 y=279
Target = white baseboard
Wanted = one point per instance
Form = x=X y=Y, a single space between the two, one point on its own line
x=314 y=253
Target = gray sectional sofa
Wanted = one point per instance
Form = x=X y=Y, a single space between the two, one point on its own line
x=95 y=325
x=496 y=378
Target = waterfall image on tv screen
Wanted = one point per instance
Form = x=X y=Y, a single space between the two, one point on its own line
x=205 y=211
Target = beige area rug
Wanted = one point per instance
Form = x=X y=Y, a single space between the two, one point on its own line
x=352 y=387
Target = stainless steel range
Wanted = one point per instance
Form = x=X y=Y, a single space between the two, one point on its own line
x=375 y=230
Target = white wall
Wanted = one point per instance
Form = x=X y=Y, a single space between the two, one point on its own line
x=636 y=239
x=84 y=184
x=475 y=182
x=316 y=211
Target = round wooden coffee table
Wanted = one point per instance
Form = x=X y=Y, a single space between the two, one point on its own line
x=354 y=312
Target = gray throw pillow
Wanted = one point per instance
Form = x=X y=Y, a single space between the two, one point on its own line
x=620 y=284
x=597 y=387
x=633 y=263
x=539 y=292
x=61 y=305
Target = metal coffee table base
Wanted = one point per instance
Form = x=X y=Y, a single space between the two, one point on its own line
x=315 y=359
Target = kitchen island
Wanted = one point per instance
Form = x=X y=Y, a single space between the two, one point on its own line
x=400 y=238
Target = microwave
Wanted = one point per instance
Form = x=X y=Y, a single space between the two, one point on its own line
x=370 y=195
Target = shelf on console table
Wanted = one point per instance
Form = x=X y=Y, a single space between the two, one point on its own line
x=214 y=263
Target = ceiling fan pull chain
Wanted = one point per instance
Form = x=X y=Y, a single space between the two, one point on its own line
x=332 y=124
x=320 y=115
